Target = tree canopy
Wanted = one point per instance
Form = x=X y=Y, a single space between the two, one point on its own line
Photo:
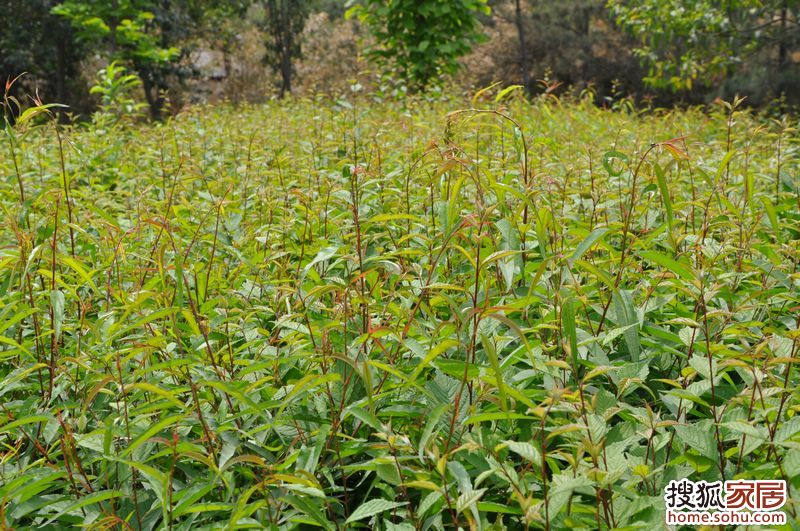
x=686 y=43
x=670 y=51
x=422 y=39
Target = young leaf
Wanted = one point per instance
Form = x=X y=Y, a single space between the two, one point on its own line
x=371 y=508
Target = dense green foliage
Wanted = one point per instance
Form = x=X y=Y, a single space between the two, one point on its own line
x=128 y=29
x=123 y=25
x=667 y=51
x=422 y=40
x=147 y=36
x=704 y=41
x=349 y=314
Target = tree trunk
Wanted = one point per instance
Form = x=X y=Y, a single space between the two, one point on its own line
x=113 y=23
x=783 y=55
x=779 y=84
x=282 y=30
x=154 y=99
x=286 y=44
x=523 y=47
x=286 y=73
x=61 y=70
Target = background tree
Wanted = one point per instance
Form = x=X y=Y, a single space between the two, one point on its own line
x=577 y=44
x=220 y=22
x=283 y=22
x=133 y=34
x=705 y=42
x=35 y=41
x=570 y=44
x=519 y=22
x=688 y=50
x=422 y=39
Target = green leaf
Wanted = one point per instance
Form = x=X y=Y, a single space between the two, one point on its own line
x=665 y=199
x=506 y=91
x=570 y=330
x=723 y=165
x=526 y=450
x=487 y=417
x=324 y=254
x=150 y=432
x=428 y=502
x=366 y=417
x=371 y=508
x=587 y=243
x=432 y=354
x=616 y=332
x=430 y=427
x=85 y=501
x=608 y=164
x=23 y=421
x=626 y=317
x=492 y=507
x=57 y=302
x=310 y=508
x=491 y=353
x=699 y=438
x=682 y=270
x=787 y=430
x=468 y=499
x=772 y=216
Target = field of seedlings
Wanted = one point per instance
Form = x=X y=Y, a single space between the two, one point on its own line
x=358 y=314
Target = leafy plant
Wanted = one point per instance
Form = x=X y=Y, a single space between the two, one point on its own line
x=345 y=314
x=701 y=42
x=126 y=27
x=122 y=24
x=421 y=40
x=116 y=86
